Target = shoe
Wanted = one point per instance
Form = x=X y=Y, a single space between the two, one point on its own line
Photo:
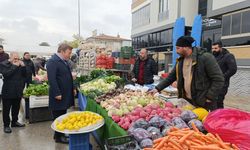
x=7 y=130
x=62 y=140
x=17 y=124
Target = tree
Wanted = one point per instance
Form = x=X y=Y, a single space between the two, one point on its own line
x=44 y=44
x=75 y=42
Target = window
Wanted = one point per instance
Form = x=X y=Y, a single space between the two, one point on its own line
x=163 y=7
x=163 y=10
x=226 y=22
x=203 y=7
x=236 y=21
x=246 y=22
x=141 y=17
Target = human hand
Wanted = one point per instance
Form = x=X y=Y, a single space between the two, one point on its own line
x=21 y=63
x=153 y=92
x=16 y=63
x=134 y=79
x=208 y=101
x=75 y=92
x=59 y=97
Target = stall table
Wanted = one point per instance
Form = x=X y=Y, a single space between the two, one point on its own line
x=110 y=128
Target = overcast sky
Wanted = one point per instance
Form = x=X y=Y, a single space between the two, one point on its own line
x=30 y=22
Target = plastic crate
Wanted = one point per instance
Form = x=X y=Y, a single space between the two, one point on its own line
x=39 y=114
x=79 y=142
x=38 y=101
x=124 y=61
x=126 y=67
x=117 y=142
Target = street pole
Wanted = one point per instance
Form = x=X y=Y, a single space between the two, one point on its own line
x=79 y=20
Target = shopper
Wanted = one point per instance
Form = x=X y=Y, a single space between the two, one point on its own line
x=228 y=66
x=14 y=73
x=3 y=56
x=144 y=69
x=39 y=63
x=198 y=75
x=61 y=89
x=30 y=68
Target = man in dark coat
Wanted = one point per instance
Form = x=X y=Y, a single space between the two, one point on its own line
x=228 y=66
x=61 y=89
x=198 y=75
x=3 y=56
x=144 y=69
x=30 y=68
x=14 y=73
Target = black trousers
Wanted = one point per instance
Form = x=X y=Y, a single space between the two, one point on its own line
x=221 y=97
x=57 y=113
x=14 y=105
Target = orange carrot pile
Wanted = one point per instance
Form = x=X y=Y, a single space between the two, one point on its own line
x=187 y=139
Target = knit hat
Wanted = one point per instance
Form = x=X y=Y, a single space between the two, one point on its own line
x=185 y=41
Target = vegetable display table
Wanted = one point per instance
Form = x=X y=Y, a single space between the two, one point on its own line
x=110 y=129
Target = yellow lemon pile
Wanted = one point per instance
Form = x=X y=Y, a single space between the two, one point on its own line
x=75 y=121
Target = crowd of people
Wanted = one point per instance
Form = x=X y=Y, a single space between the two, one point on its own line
x=202 y=78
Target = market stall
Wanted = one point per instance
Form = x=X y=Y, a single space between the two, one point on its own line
x=145 y=121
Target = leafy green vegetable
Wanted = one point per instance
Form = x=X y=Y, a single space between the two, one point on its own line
x=37 y=90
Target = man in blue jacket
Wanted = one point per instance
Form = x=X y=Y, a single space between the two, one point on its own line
x=61 y=89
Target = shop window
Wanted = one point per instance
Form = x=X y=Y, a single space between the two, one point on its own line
x=226 y=25
x=246 y=22
x=236 y=23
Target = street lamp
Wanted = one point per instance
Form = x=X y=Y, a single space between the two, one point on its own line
x=79 y=20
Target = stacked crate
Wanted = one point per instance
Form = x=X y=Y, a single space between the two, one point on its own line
x=87 y=61
x=124 y=59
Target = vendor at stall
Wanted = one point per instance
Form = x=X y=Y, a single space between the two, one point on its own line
x=198 y=75
x=144 y=69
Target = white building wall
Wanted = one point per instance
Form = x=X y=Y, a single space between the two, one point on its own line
x=217 y=4
x=189 y=8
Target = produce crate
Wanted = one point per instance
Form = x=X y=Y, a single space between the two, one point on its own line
x=123 y=142
x=38 y=101
x=79 y=142
x=124 y=61
x=39 y=114
x=116 y=54
x=127 y=52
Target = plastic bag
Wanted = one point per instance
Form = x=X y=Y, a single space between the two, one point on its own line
x=231 y=125
x=182 y=104
x=146 y=143
x=155 y=132
x=157 y=121
x=140 y=134
x=188 y=115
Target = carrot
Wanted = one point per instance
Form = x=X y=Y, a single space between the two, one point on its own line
x=235 y=147
x=194 y=127
x=186 y=136
x=206 y=147
x=161 y=144
x=158 y=140
x=175 y=143
x=174 y=147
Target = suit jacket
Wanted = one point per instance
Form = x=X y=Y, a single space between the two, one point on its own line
x=14 y=77
x=60 y=83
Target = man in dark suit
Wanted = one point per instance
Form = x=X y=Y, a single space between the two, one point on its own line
x=61 y=90
x=14 y=72
x=30 y=68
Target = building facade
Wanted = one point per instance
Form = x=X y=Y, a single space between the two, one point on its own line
x=153 y=21
x=107 y=42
